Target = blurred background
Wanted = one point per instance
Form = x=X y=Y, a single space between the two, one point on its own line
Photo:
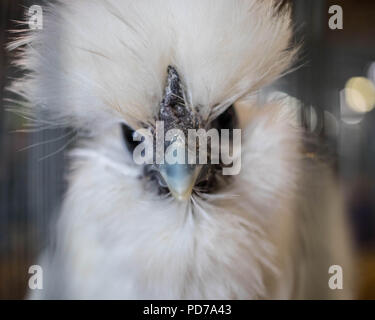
x=334 y=84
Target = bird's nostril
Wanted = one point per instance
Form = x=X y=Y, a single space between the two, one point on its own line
x=152 y=174
x=161 y=181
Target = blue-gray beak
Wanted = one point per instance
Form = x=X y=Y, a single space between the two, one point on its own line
x=180 y=179
x=174 y=112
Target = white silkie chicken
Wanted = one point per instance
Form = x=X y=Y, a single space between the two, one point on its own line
x=104 y=68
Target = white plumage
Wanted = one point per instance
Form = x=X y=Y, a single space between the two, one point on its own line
x=272 y=232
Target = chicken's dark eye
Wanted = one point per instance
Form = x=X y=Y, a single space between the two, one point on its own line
x=128 y=135
x=226 y=120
